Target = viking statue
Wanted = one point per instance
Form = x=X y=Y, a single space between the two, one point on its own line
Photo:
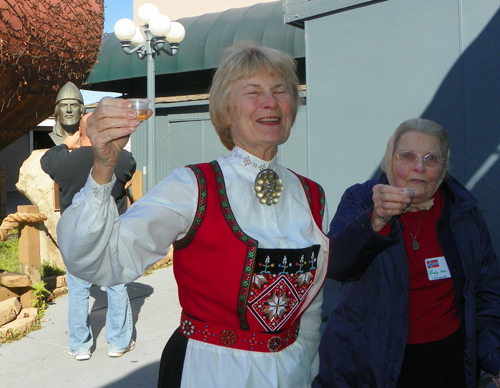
x=68 y=112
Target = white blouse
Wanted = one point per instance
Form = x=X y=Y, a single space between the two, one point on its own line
x=99 y=246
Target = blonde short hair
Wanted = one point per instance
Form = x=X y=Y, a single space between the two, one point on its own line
x=242 y=60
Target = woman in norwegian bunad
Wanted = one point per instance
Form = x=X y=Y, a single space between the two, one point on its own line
x=250 y=255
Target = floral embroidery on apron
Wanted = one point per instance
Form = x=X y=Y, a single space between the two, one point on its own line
x=281 y=280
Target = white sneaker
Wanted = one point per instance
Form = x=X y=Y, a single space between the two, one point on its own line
x=79 y=357
x=119 y=354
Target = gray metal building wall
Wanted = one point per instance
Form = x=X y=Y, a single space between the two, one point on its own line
x=371 y=67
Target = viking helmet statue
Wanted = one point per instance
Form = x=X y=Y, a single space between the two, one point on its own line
x=68 y=92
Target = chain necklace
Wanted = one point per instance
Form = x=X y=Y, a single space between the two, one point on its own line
x=268 y=187
x=415 y=243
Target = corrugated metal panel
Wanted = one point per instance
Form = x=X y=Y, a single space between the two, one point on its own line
x=139 y=152
x=162 y=154
x=188 y=117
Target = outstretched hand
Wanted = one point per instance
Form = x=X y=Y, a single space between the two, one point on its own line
x=109 y=129
x=388 y=201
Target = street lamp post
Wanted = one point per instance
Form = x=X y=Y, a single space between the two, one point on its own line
x=157 y=35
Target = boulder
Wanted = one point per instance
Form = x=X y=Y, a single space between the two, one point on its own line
x=38 y=187
x=9 y=309
x=6 y=293
x=23 y=322
x=14 y=280
x=54 y=282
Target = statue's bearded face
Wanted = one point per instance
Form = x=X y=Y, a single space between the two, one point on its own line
x=70 y=112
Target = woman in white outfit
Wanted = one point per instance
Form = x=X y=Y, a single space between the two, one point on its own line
x=250 y=253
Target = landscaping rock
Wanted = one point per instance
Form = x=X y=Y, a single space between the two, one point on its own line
x=23 y=322
x=6 y=293
x=9 y=309
x=54 y=282
x=13 y=279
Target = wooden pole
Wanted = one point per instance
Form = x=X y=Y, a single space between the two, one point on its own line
x=29 y=246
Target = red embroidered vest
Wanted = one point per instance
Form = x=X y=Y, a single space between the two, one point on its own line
x=229 y=294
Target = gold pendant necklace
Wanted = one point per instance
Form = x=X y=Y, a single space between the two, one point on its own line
x=415 y=243
x=268 y=187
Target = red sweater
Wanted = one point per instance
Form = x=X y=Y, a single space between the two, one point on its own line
x=433 y=315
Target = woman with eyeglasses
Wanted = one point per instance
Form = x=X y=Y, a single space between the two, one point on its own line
x=419 y=304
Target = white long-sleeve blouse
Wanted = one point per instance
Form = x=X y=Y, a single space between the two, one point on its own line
x=100 y=246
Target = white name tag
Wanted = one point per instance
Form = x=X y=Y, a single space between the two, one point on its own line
x=437 y=268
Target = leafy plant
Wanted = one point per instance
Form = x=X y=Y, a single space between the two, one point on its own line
x=10 y=336
x=9 y=254
x=40 y=293
x=51 y=270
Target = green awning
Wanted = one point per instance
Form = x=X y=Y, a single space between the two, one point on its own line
x=206 y=37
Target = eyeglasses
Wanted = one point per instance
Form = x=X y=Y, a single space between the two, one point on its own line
x=408 y=157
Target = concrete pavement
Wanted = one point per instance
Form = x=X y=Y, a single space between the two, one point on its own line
x=40 y=358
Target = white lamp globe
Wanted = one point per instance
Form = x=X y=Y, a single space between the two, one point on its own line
x=159 y=25
x=177 y=33
x=124 y=29
x=146 y=12
x=139 y=38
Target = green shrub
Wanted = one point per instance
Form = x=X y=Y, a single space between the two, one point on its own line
x=9 y=255
x=51 y=270
x=41 y=294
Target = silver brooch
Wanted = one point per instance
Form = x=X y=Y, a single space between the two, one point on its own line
x=268 y=187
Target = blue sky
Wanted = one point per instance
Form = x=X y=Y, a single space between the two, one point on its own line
x=114 y=10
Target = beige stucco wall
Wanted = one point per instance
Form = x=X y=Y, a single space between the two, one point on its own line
x=187 y=8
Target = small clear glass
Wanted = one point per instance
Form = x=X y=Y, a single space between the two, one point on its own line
x=141 y=106
x=409 y=192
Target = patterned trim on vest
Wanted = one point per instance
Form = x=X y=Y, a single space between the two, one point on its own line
x=200 y=212
x=322 y=201
x=252 y=244
x=231 y=220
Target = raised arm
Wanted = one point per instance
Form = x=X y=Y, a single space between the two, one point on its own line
x=109 y=129
x=364 y=210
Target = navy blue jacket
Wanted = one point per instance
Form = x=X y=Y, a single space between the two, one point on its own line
x=364 y=341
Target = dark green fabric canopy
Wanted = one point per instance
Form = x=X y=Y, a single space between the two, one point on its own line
x=206 y=37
